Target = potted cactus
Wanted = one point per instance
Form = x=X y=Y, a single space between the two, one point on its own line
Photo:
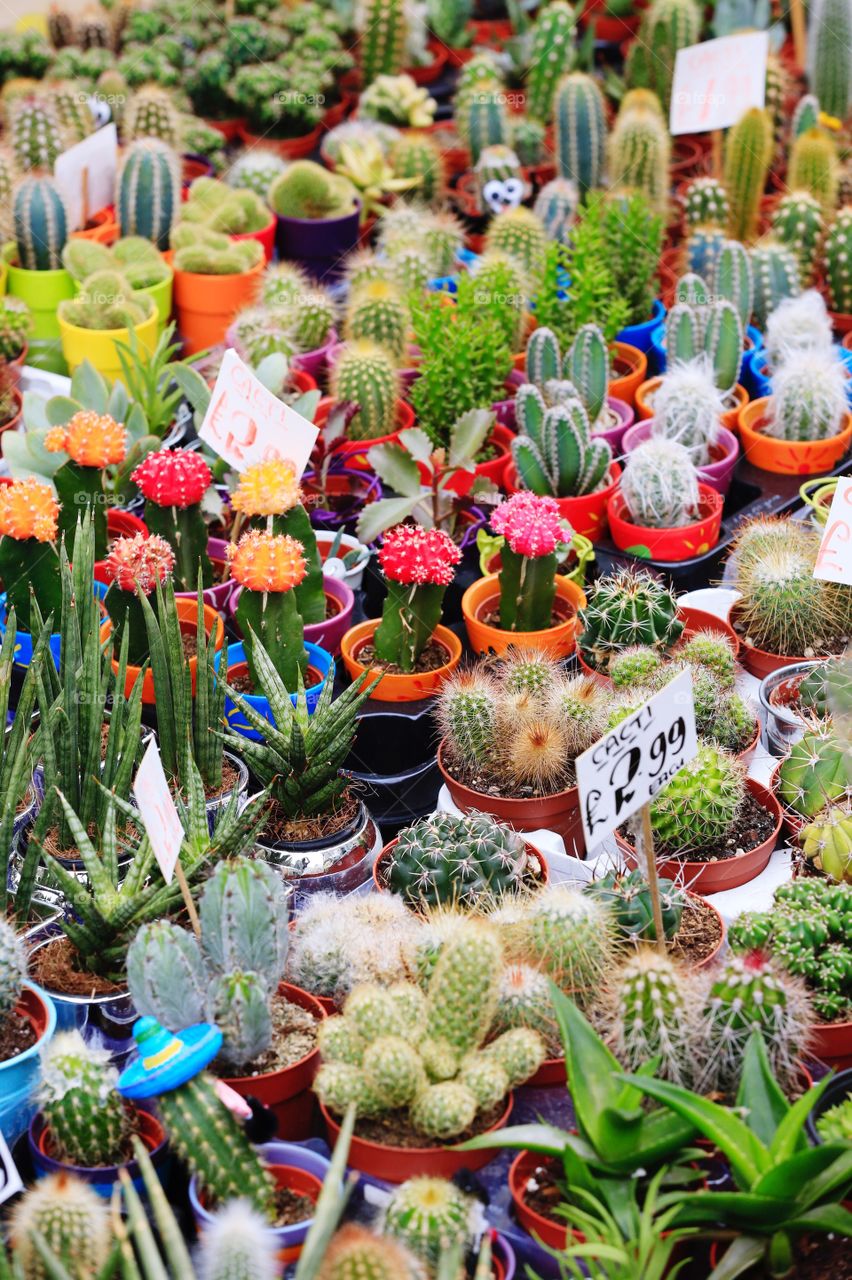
x=34 y=256
x=29 y=559
x=82 y=1125
x=804 y=427
x=837 y=271
x=173 y=483
x=236 y=212
x=133 y=257
x=527 y=605
x=317 y=214
x=147 y=197
x=586 y=366
x=27 y=1023
x=661 y=511
x=233 y=976
x=215 y=277
x=469 y=1081
x=408 y=652
x=16 y=324
x=519 y=768
x=813 y=774
x=366 y=376
x=102 y=316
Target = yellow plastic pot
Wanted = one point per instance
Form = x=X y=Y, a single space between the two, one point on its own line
x=4 y=272
x=42 y=291
x=98 y=346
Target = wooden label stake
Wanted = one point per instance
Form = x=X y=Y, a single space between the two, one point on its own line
x=646 y=841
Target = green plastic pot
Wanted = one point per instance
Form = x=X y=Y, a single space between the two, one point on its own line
x=162 y=295
x=42 y=291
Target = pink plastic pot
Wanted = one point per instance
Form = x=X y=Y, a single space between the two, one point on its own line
x=505 y=411
x=327 y=634
x=219 y=594
x=316 y=362
x=717 y=474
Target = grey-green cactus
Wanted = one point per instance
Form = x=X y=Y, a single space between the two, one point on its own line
x=41 y=223
x=580 y=123
x=148 y=191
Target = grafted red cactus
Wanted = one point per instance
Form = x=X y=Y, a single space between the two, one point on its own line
x=141 y=561
x=173 y=478
x=531 y=525
x=413 y=555
x=418 y=564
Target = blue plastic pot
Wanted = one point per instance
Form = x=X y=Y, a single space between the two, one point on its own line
x=102 y=1178
x=23 y=639
x=317 y=658
x=657 y=349
x=18 y=1075
x=639 y=335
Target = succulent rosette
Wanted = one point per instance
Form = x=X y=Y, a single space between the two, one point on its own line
x=135 y=566
x=418 y=565
x=269 y=568
x=173 y=482
x=29 y=563
x=93 y=441
x=533 y=532
x=269 y=497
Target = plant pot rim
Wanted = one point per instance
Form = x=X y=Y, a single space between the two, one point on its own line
x=782 y=660
x=422 y=1152
x=154 y=1141
x=488 y=588
x=110 y=997
x=317 y=222
x=190 y=276
x=711 y=503
x=115 y=334
x=46 y=1000
x=754 y=415
x=381 y=887
x=778 y=677
x=305 y=1001
x=358 y=636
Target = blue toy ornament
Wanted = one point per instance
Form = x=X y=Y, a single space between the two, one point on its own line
x=165 y=1060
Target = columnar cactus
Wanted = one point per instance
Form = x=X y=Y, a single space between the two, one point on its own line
x=429 y=1216
x=71 y=1219
x=13 y=967
x=798 y=224
x=808 y=399
x=377 y=313
x=705 y=203
x=701 y=803
x=518 y=233
x=732 y=278
x=418 y=565
x=703 y=248
x=564 y=932
x=555 y=453
x=382 y=38
x=639 y=148
x=748 y=152
x=829 y=41
x=148 y=191
x=838 y=262
x=527 y=136
x=653 y=1016
x=709 y=340
x=460 y=860
x=626 y=609
x=668 y=25
x=776 y=275
x=464 y=989
x=243 y=913
x=151 y=114
x=814 y=168
x=580 y=123
x=89 y=1124
x=556 y=207
x=486 y=120
x=72 y=111
x=550 y=50
x=36 y=135
x=660 y=485
x=366 y=376
x=40 y=223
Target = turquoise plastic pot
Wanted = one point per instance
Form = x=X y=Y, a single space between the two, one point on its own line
x=18 y=1075
x=317 y=658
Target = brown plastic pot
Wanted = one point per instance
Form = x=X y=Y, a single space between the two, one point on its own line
x=559 y=812
x=287 y=1092
x=522 y=1168
x=401 y=687
x=398 y=1164
x=760 y=662
x=380 y=878
x=727 y=873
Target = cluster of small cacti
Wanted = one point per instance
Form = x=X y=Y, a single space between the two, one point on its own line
x=469 y=861
x=220 y=207
x=338 y=944
x=696 y=327
x=425 y=1051
x=204 y=252
x=524 y=724
x=107 y=300
x=151 y=113
x=309 y=311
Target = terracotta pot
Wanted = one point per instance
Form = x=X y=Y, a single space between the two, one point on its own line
x=355 y=451
x=760 y=662
x=551 y=1233
x=667 y=545
x=789 y=457
x=337 y=113
x=289 y=148
x=629 y=370
x=841 y=322
x=586 y=515
x=398 y=1164
x=483 y=597
x=286 y=1092
x=14 y=367
x=120 y=524
x=187 y=612
x=559 y=812
x=727 y=873
x=229 y=129
x=206 y=304
x=831 y=1042
x=400 y=687
x=719 y=471
x=13 y=422
x=550 y=1073
x=729 y=419
x=380 y=872
x=101 y=1178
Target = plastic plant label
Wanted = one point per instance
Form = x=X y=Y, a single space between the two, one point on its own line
x=10 y=1180
x=246 y=424
x=85 y=174
x=627 y=768
x=834 y=558
x=717 y=81
x=159 y=813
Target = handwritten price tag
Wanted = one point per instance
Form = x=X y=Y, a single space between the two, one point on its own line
x=834 y=559
x=85 y=173
x=717 y=81
x=245 y=423
x=629 y=766
x=10 y=1179
x=159 y=814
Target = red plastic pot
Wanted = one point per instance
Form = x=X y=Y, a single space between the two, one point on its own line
x=719 y=471
x=398 y=1164
x=728 y=873
x=667 y=545
x=229 y=129
x=430 y=73
x=841 y=322
x=551 y=1233
x=120 y=524
x=559 y=812
x=494 y=469
x=355 y=451
x=287 y=1092
x=289 y=148
x=586 y=515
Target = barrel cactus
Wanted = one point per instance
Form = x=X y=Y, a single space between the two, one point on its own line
x=653 y=1015
x=748 y=152
x=798 y=224
x=695 y=811
x=827 y=842
x=815 y=773
x=625 y=609
x=148 y=193
x=660 y=485
x=366 y=376
x=464 y=860
x=41 y=223
x=551 y=49
x=70 y=1218
x=429 y=1216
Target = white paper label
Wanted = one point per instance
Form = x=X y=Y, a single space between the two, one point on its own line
x=629 y=766
x=10 y=1179
x=159 y=813
x=245 y=423
x=716 y=82
x=96 y=157
x=834 y=558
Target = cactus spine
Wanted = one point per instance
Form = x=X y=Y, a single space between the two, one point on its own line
x=660 y=485
x=808 y=397
x=748 y=153
x=554 y=453
x=366 y=375
x=580 y=124
x=487 y=120
x=705 y=203
x=838 y=262
x=383 y=38
x=639 y=149
x=41 y=223
x=13 y=967
x=73 y=1221
x=89 y=1124
x=732 y=278
x=460 y=860
x=237 y=1245
x=148 y=195
x=357 y=1254
x=654 y=1016
x=464 y=990
x=701 y=803
x=552 y=41
x=556 y=206
x=627 y=609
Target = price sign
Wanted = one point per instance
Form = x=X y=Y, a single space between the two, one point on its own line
x=626 y=769
x=158 y=810
x=10 y=1179
x=85 y=174
x=246 y=424
x=717 y=81
x=834 y=558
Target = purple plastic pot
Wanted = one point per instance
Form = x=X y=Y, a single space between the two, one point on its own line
x=316 y=362
x=717 y=474
x=504 y=410
x=102 y=1178
x=319 y=245
x=504 y=1252
x=355 y=488
x=326 y=635
x=219 y=594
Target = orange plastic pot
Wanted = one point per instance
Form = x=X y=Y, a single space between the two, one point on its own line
x=402 y=687
x=289 y=148
x=206 y=304
x=187 y=611
x=727 y=873
x=586 y=515
x=789 y=457
x=730 y=418
x=287 y=1092
x=398 y=1164
x=265 y=236
x=667 y=545
x=629 y=369
x=483 y=597
x=847 y=337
